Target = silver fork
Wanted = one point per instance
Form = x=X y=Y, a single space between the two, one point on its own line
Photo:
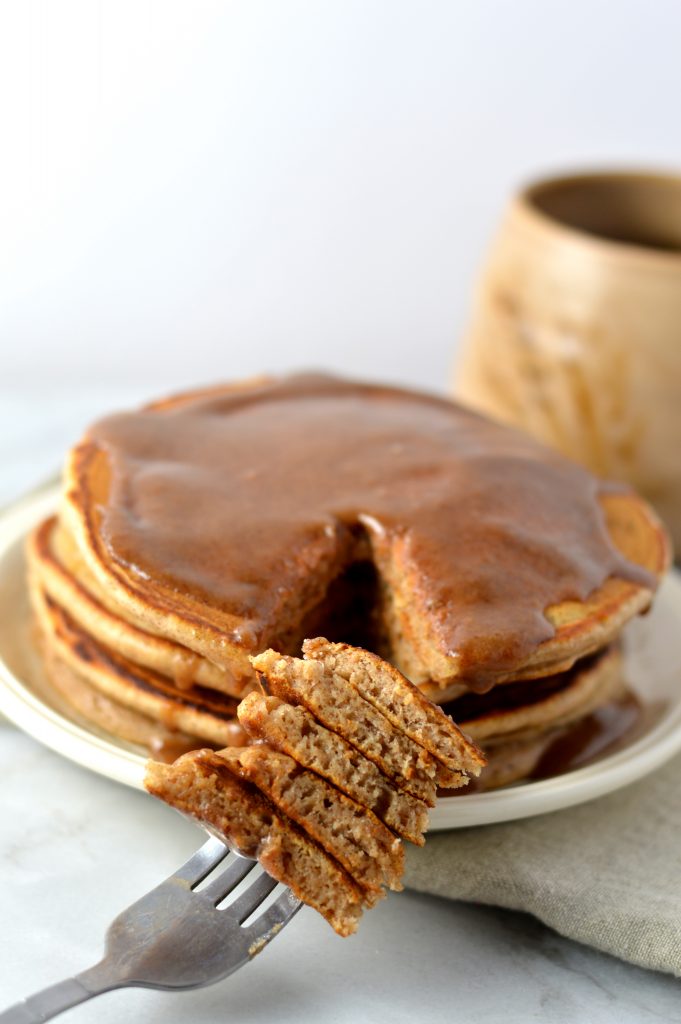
x=176 y=937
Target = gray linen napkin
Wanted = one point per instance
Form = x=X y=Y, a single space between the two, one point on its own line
x=607 y=873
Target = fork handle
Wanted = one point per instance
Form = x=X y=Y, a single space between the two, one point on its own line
x=46 y=1004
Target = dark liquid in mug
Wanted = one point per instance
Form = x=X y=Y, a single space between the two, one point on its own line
x=645 y=241
x=629 y=209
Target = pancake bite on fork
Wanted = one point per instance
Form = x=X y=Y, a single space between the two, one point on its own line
x=341 y=853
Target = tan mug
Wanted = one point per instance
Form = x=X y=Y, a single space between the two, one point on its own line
x=576 y=328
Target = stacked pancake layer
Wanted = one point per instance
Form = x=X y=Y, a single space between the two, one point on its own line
x=563 y=721
x=208 y=527
x=133 y=684
x=323 y=799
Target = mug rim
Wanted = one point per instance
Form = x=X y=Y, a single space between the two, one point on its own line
x=526 y=203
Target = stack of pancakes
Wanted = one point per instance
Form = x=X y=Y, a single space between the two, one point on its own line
x=205 y=528
x=348 y=758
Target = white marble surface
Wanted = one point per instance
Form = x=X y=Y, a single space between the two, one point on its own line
x=76 y=848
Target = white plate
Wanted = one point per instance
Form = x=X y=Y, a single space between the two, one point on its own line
x=653 y=670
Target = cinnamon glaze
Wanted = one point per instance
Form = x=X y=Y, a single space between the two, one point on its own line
x=241 y=497
x=603 y=731
x=169 y=748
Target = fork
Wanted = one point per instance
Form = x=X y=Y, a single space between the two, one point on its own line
x=176 y=937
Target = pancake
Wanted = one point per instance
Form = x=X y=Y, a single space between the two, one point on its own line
x=94 y=708
x=196 y=712
x=49 y=553
x=582 y=627
x=281 y=799
x=201 y=785
x=352 y=834
x=601 y=730
x=219 y=520
x=294 y=731
x=339 y=707
x=553 y=725
x=510 y=761
x=381 y=685
x=521 y=710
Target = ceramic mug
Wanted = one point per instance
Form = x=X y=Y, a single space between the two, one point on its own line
x=576 y=329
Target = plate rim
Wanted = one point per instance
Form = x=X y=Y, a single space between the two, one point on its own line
x=114 y=761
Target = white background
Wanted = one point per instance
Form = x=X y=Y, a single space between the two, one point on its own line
x=202 y=190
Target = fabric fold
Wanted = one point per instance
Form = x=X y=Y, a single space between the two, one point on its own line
x=606 y=873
